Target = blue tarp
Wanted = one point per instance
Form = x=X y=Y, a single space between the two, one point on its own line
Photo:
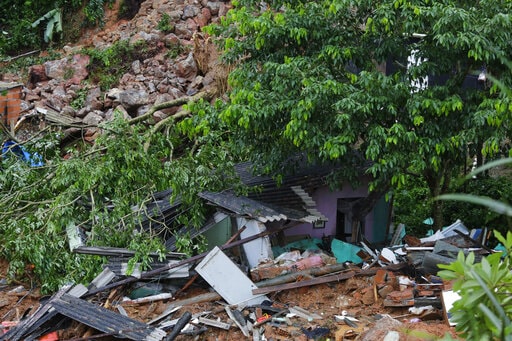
x=11 y=147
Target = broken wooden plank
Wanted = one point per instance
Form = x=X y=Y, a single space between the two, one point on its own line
x=319 y=280
x=292 y=277
x=327 y=279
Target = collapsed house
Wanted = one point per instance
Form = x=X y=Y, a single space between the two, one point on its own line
x=270 y=241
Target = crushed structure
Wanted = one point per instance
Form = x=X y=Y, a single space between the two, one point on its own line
x=399 y=276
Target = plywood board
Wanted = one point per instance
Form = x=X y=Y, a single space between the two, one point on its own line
x=227 y=279
x=449 y=297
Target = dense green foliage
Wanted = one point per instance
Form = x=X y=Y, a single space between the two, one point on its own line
x=413 y=204
x=499 y=188
x=484 y=309
x=310 y=79
x=18 y=34
x=97 y=188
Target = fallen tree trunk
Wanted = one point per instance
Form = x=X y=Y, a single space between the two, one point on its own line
x=207 y=95
x=292 y=277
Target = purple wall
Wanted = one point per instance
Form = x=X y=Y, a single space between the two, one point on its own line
x=326 y=201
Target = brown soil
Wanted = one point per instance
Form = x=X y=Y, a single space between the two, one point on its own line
x=324 y=299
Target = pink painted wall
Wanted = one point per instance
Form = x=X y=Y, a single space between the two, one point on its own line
x=326 y=201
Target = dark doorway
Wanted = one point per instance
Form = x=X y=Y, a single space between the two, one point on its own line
x=344 y=218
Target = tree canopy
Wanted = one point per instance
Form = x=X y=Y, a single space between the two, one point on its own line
x=406 y=85
x=331 y=79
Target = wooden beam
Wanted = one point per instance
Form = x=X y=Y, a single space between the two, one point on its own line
x=319 y=280
x=327 y=279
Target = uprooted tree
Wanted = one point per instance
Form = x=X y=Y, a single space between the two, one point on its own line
x=103 y=189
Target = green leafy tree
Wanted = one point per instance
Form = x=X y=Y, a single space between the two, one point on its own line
x=98 y=187
x=310 y=77
x=30 y=24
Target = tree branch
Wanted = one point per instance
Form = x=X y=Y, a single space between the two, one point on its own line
x=207 y=95
x=162 y=123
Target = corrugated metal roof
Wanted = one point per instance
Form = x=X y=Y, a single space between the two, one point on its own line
x=295 y=191
x=291 y=200
x=247 y=207
x=105 y=320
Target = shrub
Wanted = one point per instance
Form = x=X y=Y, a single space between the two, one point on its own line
x=164 y=24
x=107 y=66
x=485 y=305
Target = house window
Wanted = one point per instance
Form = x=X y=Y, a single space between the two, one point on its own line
x=319 y=224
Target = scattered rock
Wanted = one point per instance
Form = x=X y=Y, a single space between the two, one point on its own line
x=171 y=73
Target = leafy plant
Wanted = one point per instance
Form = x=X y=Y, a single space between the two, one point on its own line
x=164 y=24
x=108 y=65
x=485 y=306
x=95 y=12
x=190 y=246
x=175 y=49
x=143 y=244
x=17 y=25
x=81 y=95
x=53 y=19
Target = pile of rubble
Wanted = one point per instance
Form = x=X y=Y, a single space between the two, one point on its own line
x=254 y=304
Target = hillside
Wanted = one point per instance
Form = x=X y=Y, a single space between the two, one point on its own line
x=172 y=62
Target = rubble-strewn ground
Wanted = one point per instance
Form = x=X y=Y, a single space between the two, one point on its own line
x=326 y=300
